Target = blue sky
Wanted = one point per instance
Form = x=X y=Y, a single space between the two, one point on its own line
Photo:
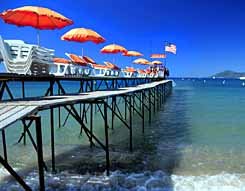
x=210 y=35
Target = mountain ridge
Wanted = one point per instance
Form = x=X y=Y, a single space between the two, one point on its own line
x=229 y=74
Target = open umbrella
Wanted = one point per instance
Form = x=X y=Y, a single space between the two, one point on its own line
x=130 y=69
x=61 y=60
x=113 y=49
x=156 y=62
x=141 y=61
x=37 y=17
x=132 y=53
x=112 y=66
x=83 y=35
x=89 y=60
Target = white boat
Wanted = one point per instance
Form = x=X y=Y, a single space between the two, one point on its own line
x=242 y=78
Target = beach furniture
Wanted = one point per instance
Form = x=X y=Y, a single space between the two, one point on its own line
x=60 y=67
x=40 y=18
x=97 y=69
x=129 y=72
x=78 y=65
x=22 y=58
x=113 y=49
x=83 y=35
x=159 y=72
x=141 y=73
x=100 y=70
x=109 y=69
x=150 y=73
x=141 y=61
x=132 y=53
x=114 y=69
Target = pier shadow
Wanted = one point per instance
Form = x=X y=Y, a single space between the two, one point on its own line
x=162 y=145
x=156 y=153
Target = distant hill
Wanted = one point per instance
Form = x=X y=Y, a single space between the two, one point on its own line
x=229 y=74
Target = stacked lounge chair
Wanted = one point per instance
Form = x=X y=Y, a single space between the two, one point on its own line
x=101 y=70
x=141 y=73
x=129 y=72
x=59 y=67
x=114 y=69
x=21 y=58
x=78 y=66
x=97 y=69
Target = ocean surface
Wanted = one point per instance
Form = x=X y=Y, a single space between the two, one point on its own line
x=195 y=142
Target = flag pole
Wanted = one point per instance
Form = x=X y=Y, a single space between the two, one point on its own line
x=165 y=60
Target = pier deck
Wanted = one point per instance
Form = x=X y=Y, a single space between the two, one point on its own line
x=149 y=95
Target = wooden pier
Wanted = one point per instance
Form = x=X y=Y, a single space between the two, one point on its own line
x=142 y=96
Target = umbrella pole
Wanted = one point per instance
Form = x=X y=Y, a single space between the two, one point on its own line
x=38 y=37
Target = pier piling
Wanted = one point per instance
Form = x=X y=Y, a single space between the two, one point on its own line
x=81 y=107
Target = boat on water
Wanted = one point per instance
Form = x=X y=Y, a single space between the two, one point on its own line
x=242 y=78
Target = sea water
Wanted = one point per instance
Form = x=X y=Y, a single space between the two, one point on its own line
x=195 y=142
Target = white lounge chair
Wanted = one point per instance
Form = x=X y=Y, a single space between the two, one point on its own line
x=78 y=65
x=141 y=74
x=99 y=70
x=59 y=67
x=19 y=57
x=129 y=72
x=114 y=69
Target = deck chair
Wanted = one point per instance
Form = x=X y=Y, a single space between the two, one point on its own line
x=114 y=69
x=98 y=70
x=141 y=73
x=60 y=67
x=22 y=58
x=78 y=65
x=129 y=72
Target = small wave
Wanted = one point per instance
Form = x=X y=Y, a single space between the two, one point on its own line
x=219 y=182
x=4 y=173
x=157 y=180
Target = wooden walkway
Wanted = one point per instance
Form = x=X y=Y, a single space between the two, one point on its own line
x=11 y=111
x=150 y=96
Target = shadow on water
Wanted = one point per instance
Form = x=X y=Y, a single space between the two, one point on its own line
x=157 y=153
x=165 y=138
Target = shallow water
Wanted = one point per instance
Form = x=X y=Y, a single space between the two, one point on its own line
x=195 y=142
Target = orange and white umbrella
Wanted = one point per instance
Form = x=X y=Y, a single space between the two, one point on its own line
x=112 y=66
x=141 y=61
x=130 y=69
x=140 y=71
x=83 y=35
x=132 y=53
x=156 y=62
x=61 y=60
x=89 y=59
x=36 y=17
x=113 y=49
x=77 y=60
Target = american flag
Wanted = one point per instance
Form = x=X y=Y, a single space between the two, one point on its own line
x=158 y=56
x=169 y=47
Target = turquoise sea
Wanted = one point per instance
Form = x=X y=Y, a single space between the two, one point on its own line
x=195 y=142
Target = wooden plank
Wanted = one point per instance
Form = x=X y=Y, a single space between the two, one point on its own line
x=19 y=115
x=48 y=101
x=14 y=110
x=6 y=109
x=11 y=112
